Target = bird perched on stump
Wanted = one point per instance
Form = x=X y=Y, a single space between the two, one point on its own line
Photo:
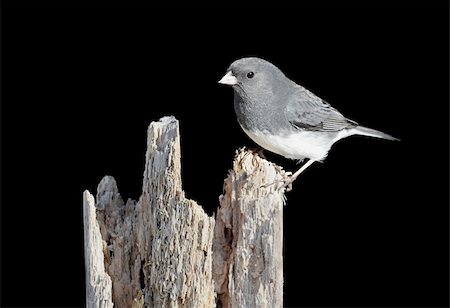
x=284 y=117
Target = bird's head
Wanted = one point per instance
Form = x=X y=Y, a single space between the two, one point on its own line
x=253 y=77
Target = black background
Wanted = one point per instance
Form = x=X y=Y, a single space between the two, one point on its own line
x=82 y=81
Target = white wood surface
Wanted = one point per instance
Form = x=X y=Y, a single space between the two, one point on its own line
x=248 y=238
x=158 y=251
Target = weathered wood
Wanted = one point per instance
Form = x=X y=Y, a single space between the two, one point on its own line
x=98 y=282
x=118 y=225
x=165 y=251
x=248 y=237
x=159 y=249
x=179 y=270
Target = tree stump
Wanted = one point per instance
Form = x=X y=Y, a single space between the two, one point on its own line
x=248 y=238
x=165 y=251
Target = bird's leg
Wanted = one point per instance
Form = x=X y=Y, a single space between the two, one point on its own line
x=293 y=177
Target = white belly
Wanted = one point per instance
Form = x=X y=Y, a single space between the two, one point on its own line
x=299 y=145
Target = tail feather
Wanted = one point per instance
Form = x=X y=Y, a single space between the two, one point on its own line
x=365 y=131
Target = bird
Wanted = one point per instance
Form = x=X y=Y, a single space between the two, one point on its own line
x=284 y=117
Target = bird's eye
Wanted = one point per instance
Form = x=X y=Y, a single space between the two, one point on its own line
x=250 y=74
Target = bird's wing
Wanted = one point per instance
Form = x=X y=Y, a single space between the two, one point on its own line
x=305 y=110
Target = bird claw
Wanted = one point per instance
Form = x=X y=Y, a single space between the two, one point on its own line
x=286 y=182
x=259 y=151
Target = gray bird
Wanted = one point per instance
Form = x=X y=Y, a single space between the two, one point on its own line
x=284 y=117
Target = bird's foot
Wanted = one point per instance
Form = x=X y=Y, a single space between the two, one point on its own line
x=259 y=151
x=288 y=180
x=285 y=182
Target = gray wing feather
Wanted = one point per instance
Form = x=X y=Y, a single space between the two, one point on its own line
x=307 y=111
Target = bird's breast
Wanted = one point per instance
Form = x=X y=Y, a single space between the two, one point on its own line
x=295 y=145
x=252 y=114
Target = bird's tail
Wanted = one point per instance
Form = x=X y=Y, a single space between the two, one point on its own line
x=365 y=131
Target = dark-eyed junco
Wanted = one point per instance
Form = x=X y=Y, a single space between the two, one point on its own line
x=285 y=118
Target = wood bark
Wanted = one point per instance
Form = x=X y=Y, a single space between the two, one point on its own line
x=248 y=238
x=98 y=282
x=165 y=251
